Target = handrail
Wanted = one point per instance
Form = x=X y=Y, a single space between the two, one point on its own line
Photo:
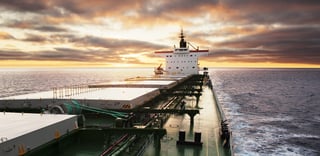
x=79 y=107
x=67 y=91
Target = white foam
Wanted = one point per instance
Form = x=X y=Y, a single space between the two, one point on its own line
x=304 y=136
x=292 y=151
x=317 y=118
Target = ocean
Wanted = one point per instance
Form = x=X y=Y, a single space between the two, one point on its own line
x=23 y=81
x=270 y=111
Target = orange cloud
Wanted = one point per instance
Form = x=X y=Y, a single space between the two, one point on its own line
x=235 y=31
x=5 y=35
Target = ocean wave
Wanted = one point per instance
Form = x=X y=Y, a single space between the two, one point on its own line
x=271 y=112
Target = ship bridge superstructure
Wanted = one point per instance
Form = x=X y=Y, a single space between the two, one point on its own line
x=182 y=60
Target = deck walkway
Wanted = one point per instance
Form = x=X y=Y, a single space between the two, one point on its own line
x=207 y=123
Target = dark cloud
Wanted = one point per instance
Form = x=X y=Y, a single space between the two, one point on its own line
x=147 y=10
x=59 y=54
x=274 y=11
x=33 y=24
x=21 y=24
x=116 y=43
x=279 y=38
x=63 y=54
x=58 y=8
x=45 y=28
x=296 y=41
x=12 y=55
x=26 y=5
x=96 y=7
x=286 y=45
x=264 y=56
x=92 y=41
x=34 y=38
x=156 y=8
x=87 y=52
x=248 y=11
x=110 y=43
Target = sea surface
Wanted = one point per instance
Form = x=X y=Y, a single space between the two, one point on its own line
x=22 y=81
x=270 y=111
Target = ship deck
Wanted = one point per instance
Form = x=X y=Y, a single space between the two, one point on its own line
x=21 y=132
x=110 y=93
x=154 y=83
x=207 y=123
x=159 y=78
x=109 y=98
x=127 y=94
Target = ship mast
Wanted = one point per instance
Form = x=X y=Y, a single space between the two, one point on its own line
x=183 y=43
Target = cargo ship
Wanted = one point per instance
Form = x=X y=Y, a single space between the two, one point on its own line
x=174 y=112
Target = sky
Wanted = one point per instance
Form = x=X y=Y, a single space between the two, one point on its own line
x=125 y=33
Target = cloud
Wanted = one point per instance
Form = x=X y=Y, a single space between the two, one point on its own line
x=274 y=11
x=137 y=11
x=58 y=54
x=245 y=31
x=86 y=49
x=5 y=35
x=116 y=43
x=62 y=7
x=157 y=8
x=144 y=11
x=33 y=25
x=26 y=5
x=34 y=38
x=12 y=54
x=45 y=28
x=26 y=24
x=69 y=54
x=108 y=43
x=286 y=45
x=119 y=45
x=278 y=38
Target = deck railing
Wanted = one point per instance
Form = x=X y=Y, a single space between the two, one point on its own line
x=72 y=90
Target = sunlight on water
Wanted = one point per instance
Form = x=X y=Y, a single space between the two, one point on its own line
x=23 y=81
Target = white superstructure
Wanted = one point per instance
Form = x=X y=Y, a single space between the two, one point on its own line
x=182 y=60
